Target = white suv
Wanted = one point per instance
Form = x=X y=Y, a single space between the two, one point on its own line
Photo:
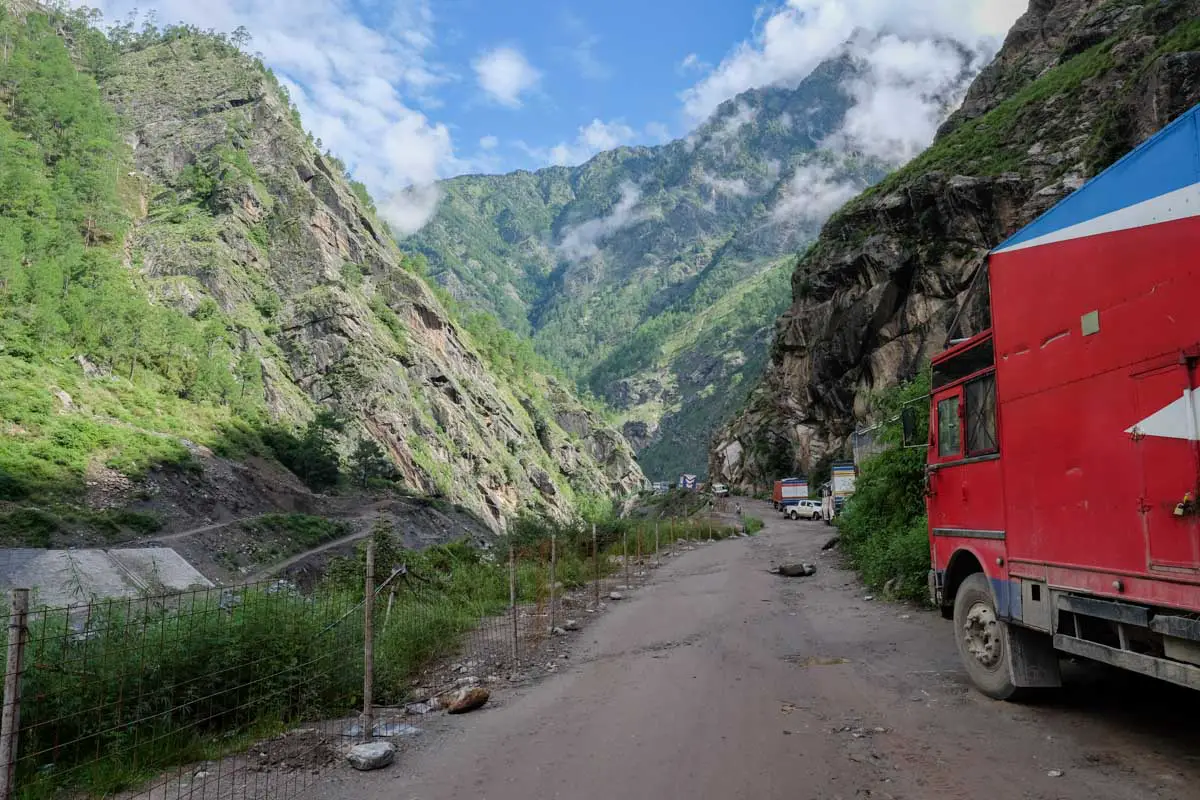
x=805 y=509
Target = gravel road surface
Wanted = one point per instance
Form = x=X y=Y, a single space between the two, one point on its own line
x=718 y=680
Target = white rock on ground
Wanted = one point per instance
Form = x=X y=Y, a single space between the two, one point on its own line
x=372 y=755
x=571 y=625
x=615 y=596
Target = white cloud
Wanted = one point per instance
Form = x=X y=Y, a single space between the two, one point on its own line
x=693 y=63
x=505 y=74
x=355 y=84
x=658 y=132
x=901 y=97
x=812 y=194
x=792 y=41
x=582 y=241
x=595 y=137
x=489 y=143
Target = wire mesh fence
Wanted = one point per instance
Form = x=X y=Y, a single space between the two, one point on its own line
x=256 y=691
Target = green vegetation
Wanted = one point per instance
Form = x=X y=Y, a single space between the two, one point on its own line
x=66 y=301
x=302 y=531
x=158 y=307
x=884 y=528
x=311 y=454
x=665 y=320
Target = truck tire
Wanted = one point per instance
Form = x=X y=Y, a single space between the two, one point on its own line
x=982 y=639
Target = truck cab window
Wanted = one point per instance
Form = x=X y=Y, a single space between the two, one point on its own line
x=949 y=429
x=981 y=416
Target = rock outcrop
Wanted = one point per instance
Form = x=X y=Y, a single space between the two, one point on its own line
x=240 y=208
x=1077 y=84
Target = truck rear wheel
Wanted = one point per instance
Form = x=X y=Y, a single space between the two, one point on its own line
x=982 y=638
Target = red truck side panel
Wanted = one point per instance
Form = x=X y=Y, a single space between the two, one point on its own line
x=1096 y=326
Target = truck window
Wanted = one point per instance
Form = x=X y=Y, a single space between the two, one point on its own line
x=949 y=432
x=981 y=415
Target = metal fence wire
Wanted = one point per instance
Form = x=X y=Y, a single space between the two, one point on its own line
x=256 y=691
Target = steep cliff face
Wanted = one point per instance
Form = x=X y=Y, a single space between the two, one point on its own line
x=185 y=274
x=1077 y=84
x=289 y=249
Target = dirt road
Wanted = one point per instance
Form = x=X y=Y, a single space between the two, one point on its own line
x=718 y=680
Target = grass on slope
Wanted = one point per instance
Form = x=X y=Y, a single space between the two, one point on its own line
x=68 y=304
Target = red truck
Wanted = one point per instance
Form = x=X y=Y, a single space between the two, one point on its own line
x=1064 y=458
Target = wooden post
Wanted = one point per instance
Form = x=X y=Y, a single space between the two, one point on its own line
x=512 y=601
x=553 y=575
x=10 y=720
x=657 y=559
x=625 y=555
x=368 y=715
x=596 y=560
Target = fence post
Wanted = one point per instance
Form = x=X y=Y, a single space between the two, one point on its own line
x=657 y=558
x=596 y=560
x=512 y=601
x=368 y=715
x=553 y=575
x=10 y=720
x=639 y=549
x=625 y=556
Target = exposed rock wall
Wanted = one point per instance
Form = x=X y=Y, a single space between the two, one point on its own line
x=1077 y=84
x=324 y=300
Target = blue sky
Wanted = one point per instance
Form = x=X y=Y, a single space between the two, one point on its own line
x=407 y=92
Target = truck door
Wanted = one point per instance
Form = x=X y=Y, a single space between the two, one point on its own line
x=1166 y=442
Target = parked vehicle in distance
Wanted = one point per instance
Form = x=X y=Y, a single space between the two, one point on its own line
x=788 y=492
x=720 y=490
x=1063 y=462
x=805 y=509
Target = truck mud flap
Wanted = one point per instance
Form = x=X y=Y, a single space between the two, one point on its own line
x=1034 y=661
x=1173 y=671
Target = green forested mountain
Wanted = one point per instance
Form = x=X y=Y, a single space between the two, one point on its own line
x=190 y=290
x=653 y=275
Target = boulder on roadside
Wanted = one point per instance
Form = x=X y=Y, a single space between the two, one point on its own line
x=465 y=700
x=571 y=625
x=615 y=596
x=372 y=755
x=832 y=543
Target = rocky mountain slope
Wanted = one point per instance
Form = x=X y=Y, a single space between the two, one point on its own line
x=650 y=274
x=1077 y=84
x=219 y=278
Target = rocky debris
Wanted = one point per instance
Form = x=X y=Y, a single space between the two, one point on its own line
x=465 y=700
x=615 y=596
x=421 y=709
x=383 y=730
x=801 y=570
x=832 y=543
x=557 y=631
x=372 y=755
x=1054 y=773
x=571 y=625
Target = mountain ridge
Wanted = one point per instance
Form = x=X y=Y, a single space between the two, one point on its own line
x=608 y=264
x=252 y=288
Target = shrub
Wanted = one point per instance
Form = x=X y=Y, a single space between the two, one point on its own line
x=884 y=527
